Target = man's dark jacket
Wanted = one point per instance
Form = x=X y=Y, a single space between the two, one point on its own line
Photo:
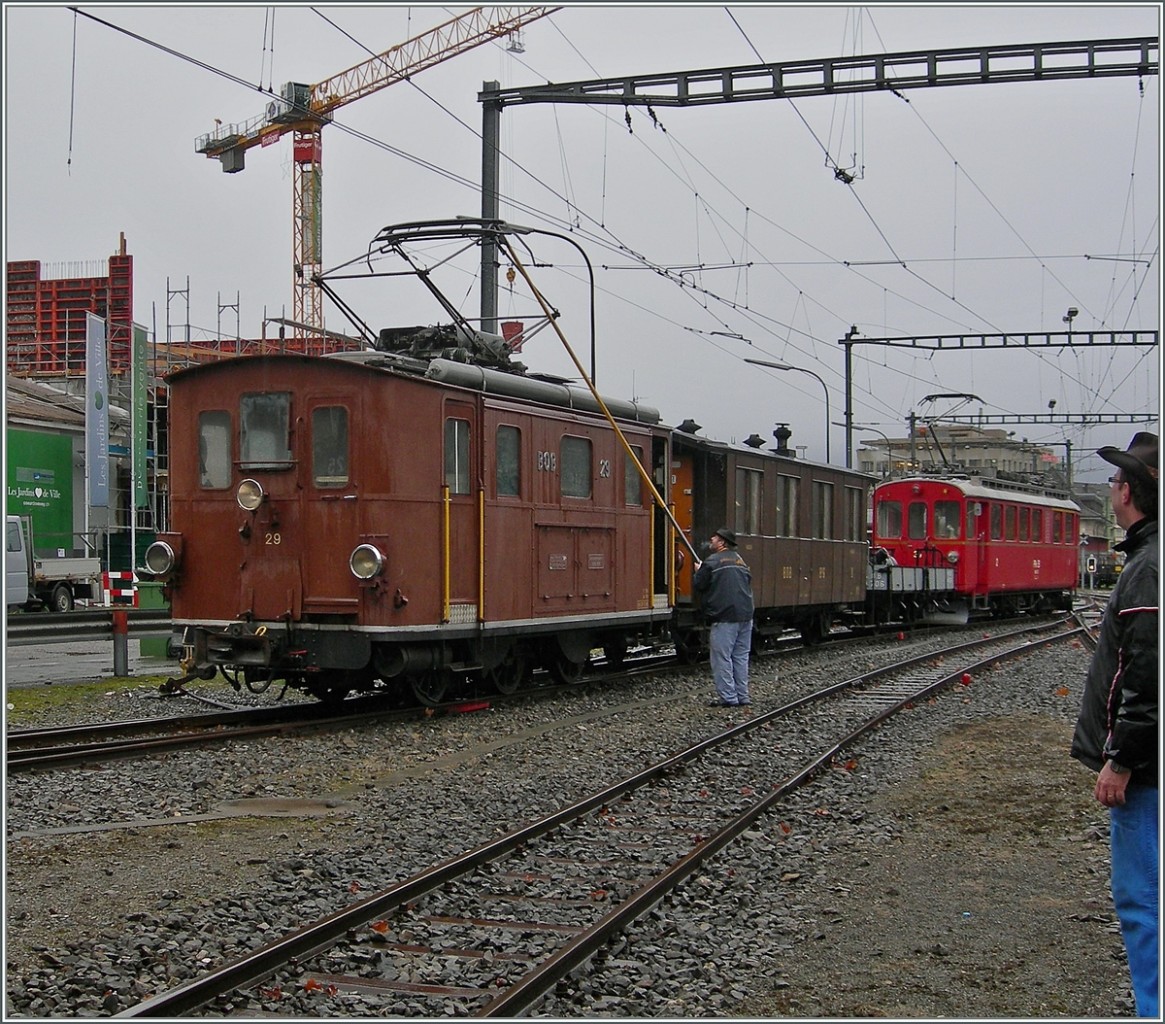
x=1118 y=715
x=724 y=584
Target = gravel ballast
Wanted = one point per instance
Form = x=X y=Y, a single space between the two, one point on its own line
x=955 y=865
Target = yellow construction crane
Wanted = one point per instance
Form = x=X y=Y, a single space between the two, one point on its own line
x=303 y=110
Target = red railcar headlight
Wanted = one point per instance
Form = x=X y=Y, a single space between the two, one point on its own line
x=366 y=561
x=953 y=557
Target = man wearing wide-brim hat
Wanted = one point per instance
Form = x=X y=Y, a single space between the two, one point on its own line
x=1116 y=733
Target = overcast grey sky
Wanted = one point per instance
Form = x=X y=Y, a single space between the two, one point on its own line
x=986 y=208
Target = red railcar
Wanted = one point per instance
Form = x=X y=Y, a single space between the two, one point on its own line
x=1012 y=548
x=338 y=521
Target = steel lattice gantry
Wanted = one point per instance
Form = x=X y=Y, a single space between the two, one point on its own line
x=888 y=72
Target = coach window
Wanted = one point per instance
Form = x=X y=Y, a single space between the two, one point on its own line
x=748 y=495
x=996 y=521
x=1069 y=527
x=457 y=456
x=787 y=506
x=1009 y=521
x=1037 y=525
x=1057 y=527
x=890 y=520
x=916 y=520
x=509 y=462
x=822 y=511
x=264 y=426
x=632 y=481
x=946 y=520
x=214 y=449
x=329 y=446
x=1025 y=523
x=855 y=527
x=575 y=458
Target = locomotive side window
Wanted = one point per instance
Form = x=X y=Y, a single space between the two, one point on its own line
x=855 y=527
x=457 y=456
x=748 y=498
x=329 y=446
x=822 y=511
x=1038 y=525
x=632 y=481
x=946 y=520
x=509 y=462
x=1009 y=521
x=575 y=456
x=1025 y=517
x=787 y=506
x=916 y=520
x=996 y=521
x=264 y=430
x=1057 y=527
x=890 y=520
x=1069 y=527
x=214 y=449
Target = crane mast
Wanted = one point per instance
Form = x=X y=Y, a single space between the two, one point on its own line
x=303 y=110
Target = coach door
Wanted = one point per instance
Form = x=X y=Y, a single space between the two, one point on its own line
x=683 y=495
x=330 y=517
x=460 y=555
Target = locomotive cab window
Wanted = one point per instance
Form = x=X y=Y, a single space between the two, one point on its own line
x=457 y=456
x=946 y=520
x=508 y=462
x=329 y=446
x=1009 y=521
x=264 y=430
x=1057 y=527
x=575 y=459
x=632 y=481
x=1038 y=525
x=890 y=520
x=1025 y=520
x=214 y=449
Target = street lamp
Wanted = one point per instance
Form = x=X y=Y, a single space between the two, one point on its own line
x=801 y=369
x=889 y=445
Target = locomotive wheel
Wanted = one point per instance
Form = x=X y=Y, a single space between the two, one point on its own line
x=689 y=647
x=508 y=675
x=565 y=671
x=429 y=687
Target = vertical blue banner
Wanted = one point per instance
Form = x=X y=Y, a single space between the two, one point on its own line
x=139 y=413
x=96 y=412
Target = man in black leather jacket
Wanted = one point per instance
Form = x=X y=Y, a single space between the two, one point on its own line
x=1116 y=734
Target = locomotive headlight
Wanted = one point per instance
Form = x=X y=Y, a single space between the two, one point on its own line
x=250 y=495
x=365 y=562
x=160 y=558
x=953 y=557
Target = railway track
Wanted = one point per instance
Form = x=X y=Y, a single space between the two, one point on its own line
x=491 y=930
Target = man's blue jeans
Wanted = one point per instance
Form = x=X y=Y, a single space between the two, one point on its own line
x=729 y=644
x=1134 y=889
